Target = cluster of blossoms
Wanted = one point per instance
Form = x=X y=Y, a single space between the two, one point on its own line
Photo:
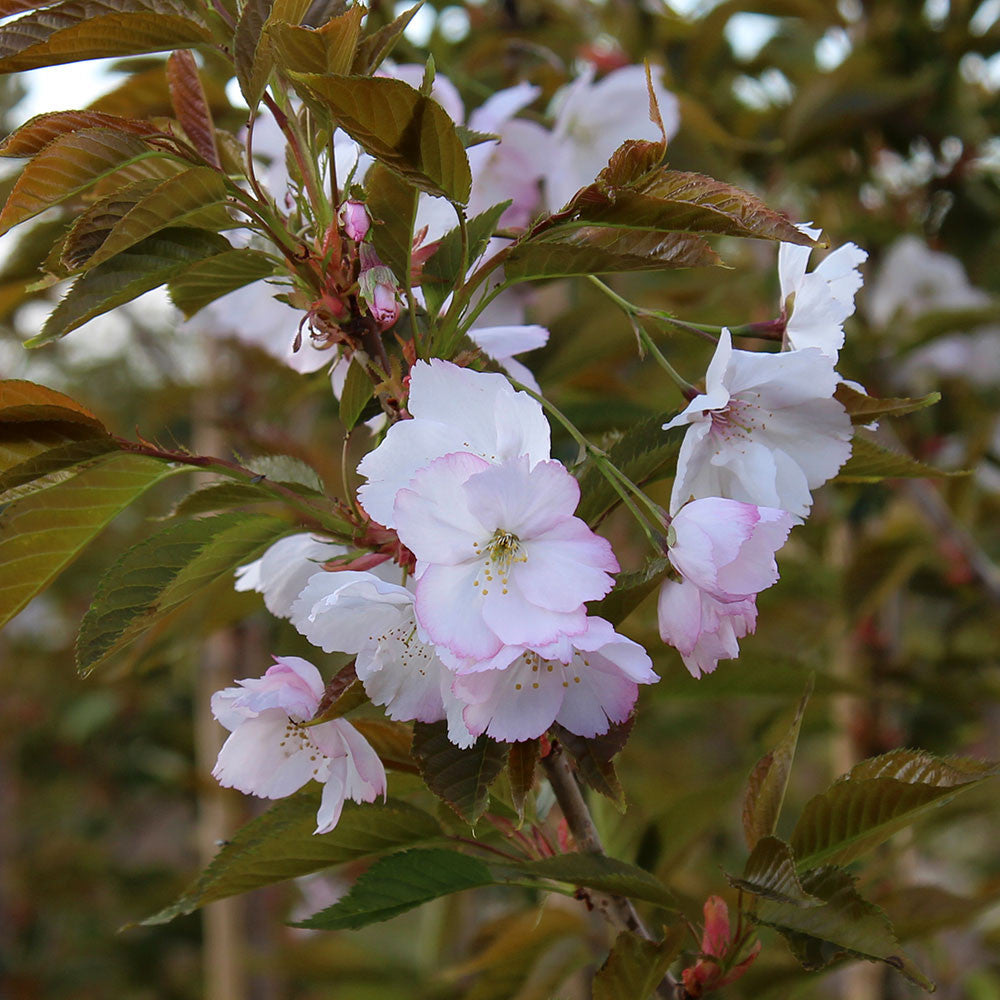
x=475 y=611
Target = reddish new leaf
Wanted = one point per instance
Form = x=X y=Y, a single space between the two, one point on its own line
x=187 y=96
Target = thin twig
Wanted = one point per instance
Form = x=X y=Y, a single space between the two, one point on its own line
x=617 y=910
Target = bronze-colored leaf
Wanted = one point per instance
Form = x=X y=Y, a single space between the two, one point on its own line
x=329 y=49
x=190 y=104
x=35 y=134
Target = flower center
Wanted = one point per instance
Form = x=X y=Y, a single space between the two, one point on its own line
x=739 y=418
x=503 y=548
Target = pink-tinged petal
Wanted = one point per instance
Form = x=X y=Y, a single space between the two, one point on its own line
x=367 y=779
x=434 y=518
x=292 y=684
x=408 y=447
x=332 y=803
x=679 y=615
x=756 y=569
x=710 y=533
x=627 y=656
x=522 y=500
x=449 y=606
x=266 y=757
x=346 y=610
x=519 y=703
x=517 y=621
x=565 y=567
x=282 y=572
x=597 y=694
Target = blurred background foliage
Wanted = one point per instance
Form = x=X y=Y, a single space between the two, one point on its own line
x=875 y=119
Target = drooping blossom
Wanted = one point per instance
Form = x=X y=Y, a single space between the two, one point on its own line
x=816 y=303
x=726 y=548
x=272 y=752
x=593 y=119
x=454 y=410
x=501 y=343
x=355 y=218
x=585 y=683
x=767 y=430
x=359 y=613
x=702 y=628
x=282 y=571
x=378 y=287
x=501 y=560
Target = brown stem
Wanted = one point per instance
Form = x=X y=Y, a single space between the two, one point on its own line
x=617 y=910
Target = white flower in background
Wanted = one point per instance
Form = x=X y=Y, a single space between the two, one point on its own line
x=972 y=356
x=912 y=280
x=586 y=684
x=593 y=119
x=502 y=343
x=361 y=614
x=766 y=431
x=702 y=628
x=501 y=560
x=454 y=410
x=283 y=570
x=512 y=167
x=822 y=299
x=271 y=752
x=726 y=548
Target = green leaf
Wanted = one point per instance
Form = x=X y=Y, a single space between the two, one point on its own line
x=392 y=203
x=400 y=882
x=281 y=845
x=41 y=534
x=288 y=470
x=847 y=924
x=630 y=590
x=24 y=441
x=28 y=402
x=220 y=496
x=635 y=967
x=769 y=779
x=460 y=777
x=70 y=164
x=398 y=125
x=98 y=29
x=36 y=133
x=521 y=762
x=594 y=758
x=595 y=871
x=358 y=389
x=645 y=453
x=126 y=276
x=443 y=268
x=51 y=466
x=375 y=48
x=159 y=574
x=252 y=46
x=328 y=49
x=191 y=198
x=565 y=251
x=212 y=277
x=863 y=409
x=876 y=799
x=676 y=200
x=870 y=462
x=770 y=873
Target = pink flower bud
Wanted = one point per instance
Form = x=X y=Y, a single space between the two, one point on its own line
x=378 y=287
x=356 y=221
x=385 y=305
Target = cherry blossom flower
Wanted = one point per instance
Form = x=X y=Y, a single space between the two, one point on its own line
x=912 y=280
x=271 y=752
x=702 y=628
x=726 y=548
x=767 y=430
x=359 y=613
x=586 y=684
x=593 y=119
x=501 y=343
x=501 y=560
x=283 y=570
x=510 y=167
x=454 y=410
x=818 y=302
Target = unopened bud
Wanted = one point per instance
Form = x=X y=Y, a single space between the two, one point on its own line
x=378 y=287
x=356 y=221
